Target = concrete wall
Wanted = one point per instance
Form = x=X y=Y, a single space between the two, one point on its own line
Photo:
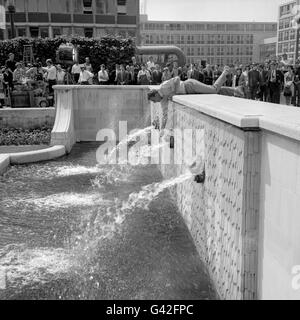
x=103 y=107
x=245 y=218
x=26 y=118
x=222 y=214
x=279 y=236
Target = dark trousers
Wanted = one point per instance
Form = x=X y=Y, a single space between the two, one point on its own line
x=296 y=100
x=76 y=77
x=264 y=94
x=274 y=93
x=51 y=84
x=253 y=92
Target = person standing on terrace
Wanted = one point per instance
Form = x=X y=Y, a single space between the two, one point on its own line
x=51 y=75
x=144 y=76
x=85 y=76
x=103 y=75
x=76 y=71
x=88 y=65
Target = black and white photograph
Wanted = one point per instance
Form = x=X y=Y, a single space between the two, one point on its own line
x=150 y=151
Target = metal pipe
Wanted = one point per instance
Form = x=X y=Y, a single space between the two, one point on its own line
x=12 y=10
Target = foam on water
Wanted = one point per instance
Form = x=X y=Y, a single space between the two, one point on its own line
x=64 y=200
x=77 y=170
x=24 y=266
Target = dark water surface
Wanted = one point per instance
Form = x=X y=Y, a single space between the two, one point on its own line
x=68 y=231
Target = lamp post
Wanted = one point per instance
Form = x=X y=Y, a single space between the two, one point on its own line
x=12 y=10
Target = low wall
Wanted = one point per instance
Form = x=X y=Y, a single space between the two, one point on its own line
x=245 y=218
x=27 y=118
x=98 y=107
x=279 y=236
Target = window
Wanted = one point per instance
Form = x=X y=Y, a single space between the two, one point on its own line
x=87 y=6
x=56 y=32
x=190 y=40
x=34 y=32
x=60 y=6
x=280 y=24
x=212 y=27
x=79 y=32
x=235 y=27
x=286 y=35
x=292 y=34
x=67 y=31
x=271 y=27
x=78 y=7
x=88 y=32
x=21 y=32
x=100 y=7
x=122 y=9
x=38 y=6
x=287 y=23
x=20 y=5
x=44 y=32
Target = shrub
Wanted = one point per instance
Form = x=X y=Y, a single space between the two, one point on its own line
x=108 y=50
x=18 y=136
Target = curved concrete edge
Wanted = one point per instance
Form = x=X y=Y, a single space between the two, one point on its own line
x=30 y=156
x=4 y=162
x=63 y=132
x=38 y=155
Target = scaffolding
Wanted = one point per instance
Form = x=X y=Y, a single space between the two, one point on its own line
x=28 y=54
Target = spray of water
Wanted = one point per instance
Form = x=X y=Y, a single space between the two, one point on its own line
x=128 y=139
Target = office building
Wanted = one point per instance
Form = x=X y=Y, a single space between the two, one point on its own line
x=89 y=18
x=216 y=42
x=287 y=30
x=268 y=49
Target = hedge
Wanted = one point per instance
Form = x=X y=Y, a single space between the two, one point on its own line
x=19 y=136
x=108 y=50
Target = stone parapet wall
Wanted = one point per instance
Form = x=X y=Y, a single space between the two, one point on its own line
x=221 y=214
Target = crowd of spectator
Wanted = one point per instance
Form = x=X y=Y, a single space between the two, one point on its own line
x=268 y=81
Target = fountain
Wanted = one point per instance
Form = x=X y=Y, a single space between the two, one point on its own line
x=72 y=229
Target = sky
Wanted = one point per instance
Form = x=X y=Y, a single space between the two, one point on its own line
x=213 y=10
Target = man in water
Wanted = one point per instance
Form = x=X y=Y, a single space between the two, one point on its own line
x=175 y=86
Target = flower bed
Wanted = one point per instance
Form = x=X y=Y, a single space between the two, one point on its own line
x=18 y=136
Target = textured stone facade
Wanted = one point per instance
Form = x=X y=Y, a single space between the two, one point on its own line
x=222 y=213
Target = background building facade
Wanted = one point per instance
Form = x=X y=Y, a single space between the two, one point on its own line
x=268 y=49
x=287 y=31
x=216 y=42
x=90 y=18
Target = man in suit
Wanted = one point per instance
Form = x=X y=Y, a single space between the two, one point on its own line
x=264 y=83
x=254 y=81
x=156 y=75
x=193 y=73
x=122 y=76
x=208 y=75
x=275 y=83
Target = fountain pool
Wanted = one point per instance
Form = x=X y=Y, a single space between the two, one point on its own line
x=70 y=229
